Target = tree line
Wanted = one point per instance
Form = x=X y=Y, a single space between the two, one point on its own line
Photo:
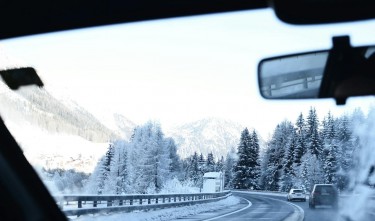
x=300 y=154
x=297 y=155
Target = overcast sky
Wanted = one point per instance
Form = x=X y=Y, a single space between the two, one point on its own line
x=180 y=70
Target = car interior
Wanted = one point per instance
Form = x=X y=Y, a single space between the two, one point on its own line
x=22 y=190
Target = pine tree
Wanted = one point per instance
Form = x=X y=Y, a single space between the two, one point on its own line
x=315 y=144
x=175 y=161
x=194 y=173
x=210 y=163
x=300 y=148
x=228 y=168
x=104 y=169
x=288 y=173
x=300 y=124
x=202 y=164
x=254 y=170
x=313 y=138
x=220 y=165
x=117 y=179
x=241 y=179
x=277 y=148
x=330 y=166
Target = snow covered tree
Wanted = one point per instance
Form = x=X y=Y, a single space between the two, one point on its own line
x=247 y=168
x=329 y=129
x=202 y=163
x=254 y=170
x=142 y=165
x=175 y=161
x=288 y=173
x=117 y=182
x=330 y=166
x=220 y=165
x=300 y=148
x=313 y=138
x=241 y=178
x=230 y=161
x=103 y=170
x=210 y=163
x=194 y=174
x=273 y=161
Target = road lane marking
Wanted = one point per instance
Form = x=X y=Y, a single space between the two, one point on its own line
x=218 y=217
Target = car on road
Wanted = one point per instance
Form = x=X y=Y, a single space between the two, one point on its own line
x=323 y=194
x=296 y=194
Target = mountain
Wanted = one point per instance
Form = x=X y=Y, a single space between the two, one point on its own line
x=57 y=132
x=36 y=106
x=118 y=123
x=207 y=135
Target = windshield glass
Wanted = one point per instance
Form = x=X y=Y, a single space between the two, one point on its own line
x=172 y=107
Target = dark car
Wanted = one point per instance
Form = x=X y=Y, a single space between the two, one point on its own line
x=323 y=194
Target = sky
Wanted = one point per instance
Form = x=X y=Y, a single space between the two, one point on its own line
x=180 y=70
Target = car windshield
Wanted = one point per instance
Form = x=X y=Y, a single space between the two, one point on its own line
x=172 y=107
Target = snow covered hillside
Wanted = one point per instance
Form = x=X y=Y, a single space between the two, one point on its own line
x=52 y=151
x=39 y=108
x=56 y=132
x=208 y=135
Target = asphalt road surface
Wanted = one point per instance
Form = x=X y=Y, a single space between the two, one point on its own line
x=265 y=207
x=251 y=207
x=260 y=207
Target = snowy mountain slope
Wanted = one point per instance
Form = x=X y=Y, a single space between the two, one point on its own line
x=38 y=107
x=118 y=123
x=57 y=132
x=51 y=151
x=208 y=135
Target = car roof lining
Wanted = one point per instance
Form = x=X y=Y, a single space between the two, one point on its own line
x=24 y=17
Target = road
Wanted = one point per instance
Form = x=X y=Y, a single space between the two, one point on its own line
x=267 y=208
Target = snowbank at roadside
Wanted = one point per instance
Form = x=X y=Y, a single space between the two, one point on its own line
x=164 y=214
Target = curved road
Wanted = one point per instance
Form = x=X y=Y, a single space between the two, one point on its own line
x=262 y=208
x=267 y=208
x=319 y=214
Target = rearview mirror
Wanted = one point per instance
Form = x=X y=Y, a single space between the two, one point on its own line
x=338 y=73
x=292 y=76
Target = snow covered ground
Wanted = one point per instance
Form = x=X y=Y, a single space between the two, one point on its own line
x=49 y=150
x=163 y=214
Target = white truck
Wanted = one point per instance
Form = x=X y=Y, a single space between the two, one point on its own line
x=213 y=182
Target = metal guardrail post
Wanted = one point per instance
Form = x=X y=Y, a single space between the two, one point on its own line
x=131 y=202
x=79 y=204
x=94 y=204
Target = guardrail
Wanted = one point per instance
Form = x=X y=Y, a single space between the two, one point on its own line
x=76 y=205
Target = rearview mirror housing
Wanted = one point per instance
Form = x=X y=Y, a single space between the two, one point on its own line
x=323 y=11
x=338 y=73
